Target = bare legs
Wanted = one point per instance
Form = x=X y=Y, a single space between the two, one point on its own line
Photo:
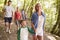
x=34 y=37
x=7 y=25
x=37 y=37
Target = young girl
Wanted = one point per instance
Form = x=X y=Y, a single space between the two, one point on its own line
x=18 y=17
x=22 y=33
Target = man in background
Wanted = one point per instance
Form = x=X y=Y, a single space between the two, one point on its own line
x=8 y=15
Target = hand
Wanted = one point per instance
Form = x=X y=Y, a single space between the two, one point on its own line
x=35 y=30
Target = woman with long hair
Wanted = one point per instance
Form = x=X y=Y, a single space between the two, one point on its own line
x=38 y=20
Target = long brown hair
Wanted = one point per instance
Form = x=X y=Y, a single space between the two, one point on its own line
x=37 y=7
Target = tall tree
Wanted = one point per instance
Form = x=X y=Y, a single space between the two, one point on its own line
x=33 y=2
x=5 y=2
x=24 y=4
x=31 y=8
x=58 y=19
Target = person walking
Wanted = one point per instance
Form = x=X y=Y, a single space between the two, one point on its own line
x=18 y=17
x=37 y=22
x=8 y=15
x=23 y=14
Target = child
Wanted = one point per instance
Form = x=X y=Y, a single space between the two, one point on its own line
x=18 y=17
x=22 y=33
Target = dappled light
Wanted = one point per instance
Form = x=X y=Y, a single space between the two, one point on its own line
x=51 y=8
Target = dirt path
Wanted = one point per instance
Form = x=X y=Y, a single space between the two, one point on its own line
x=13 y=35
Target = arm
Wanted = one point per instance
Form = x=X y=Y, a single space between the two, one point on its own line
x=13 y=14
x=32 y=22
x=31 y=30
x=18 y=34
x=33 y=27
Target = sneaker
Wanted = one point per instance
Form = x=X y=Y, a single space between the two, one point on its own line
x=9 y=32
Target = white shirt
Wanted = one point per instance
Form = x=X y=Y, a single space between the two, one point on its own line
x=39 y=30
x=24 y=34
x=8 y=10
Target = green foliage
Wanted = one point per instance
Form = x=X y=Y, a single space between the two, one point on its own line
x=48 y=6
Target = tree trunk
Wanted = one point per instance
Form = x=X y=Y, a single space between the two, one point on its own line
x=24 y=5
x=58 y=19
x=32 y=4
x=5 y=2
x=31 y=9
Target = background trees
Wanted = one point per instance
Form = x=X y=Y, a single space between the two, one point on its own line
x=56 y=27
x=50 y=7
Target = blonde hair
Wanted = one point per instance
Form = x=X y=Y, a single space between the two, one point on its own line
x=36 y=6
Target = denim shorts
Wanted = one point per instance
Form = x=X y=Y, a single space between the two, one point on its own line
x=8 y=19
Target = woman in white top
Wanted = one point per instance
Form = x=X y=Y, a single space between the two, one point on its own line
x=38 y=19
